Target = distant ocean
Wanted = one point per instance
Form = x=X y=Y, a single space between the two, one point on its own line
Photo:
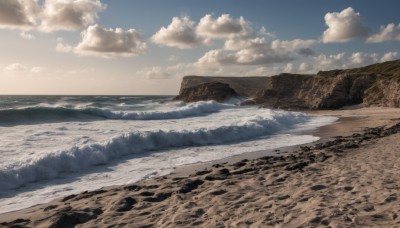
x=52 y=146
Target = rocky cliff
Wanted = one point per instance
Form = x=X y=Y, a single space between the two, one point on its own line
x=207 y=91
x=377 y=85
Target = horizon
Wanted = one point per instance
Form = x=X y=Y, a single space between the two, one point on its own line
x=125 y=48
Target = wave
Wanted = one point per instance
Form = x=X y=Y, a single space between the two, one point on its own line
x=49 y=166
x=51 y=114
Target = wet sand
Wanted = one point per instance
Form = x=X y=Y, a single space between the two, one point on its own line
x=350 y=178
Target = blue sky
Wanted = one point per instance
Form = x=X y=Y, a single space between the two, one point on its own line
x=146 y=47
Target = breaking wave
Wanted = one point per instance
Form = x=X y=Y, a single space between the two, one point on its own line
x=75 y=159
x=53 y=114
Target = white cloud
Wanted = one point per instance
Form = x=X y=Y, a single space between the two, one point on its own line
x=21 y=14
x=154 y=73
x=27 y=36
x=305 y=67
x=69 y=15
x=19 y=68
x=106 y=43
x=344 y=26
x=181 y=33
x=254 y=51
x=389 y=56
x=292 y=45
x=37 y=70
x=329 y=62
x=358 y=59
x=223 y=27
x=61 y=47
x=49 y=15
x=289 y=68
x=16 y=68
x=264 y=32
x=389 y=33
x=340 y=61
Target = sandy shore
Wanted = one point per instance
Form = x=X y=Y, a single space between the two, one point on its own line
x=348 y=179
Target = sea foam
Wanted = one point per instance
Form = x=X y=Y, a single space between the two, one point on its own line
x=78 y=158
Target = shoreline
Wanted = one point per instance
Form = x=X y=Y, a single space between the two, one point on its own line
x=350 y=122
x=339 y=127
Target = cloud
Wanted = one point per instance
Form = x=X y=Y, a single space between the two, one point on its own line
x=49 y=15
x=223 y=27
x=18 y=14
x=358 y=59
x=181 y=33
x=254 y=51
x=27 y=35
x=329 y=62
x=107 y=43
x=264 y=32
x=389 y=56
x=154 y=73
x=389 y=33
x=19 y=68
x=306 y=52
x=69 y=15
x=339 y=61
x=61 y=47
x=16 y=68
x=305 y=67
x=37 y=70
x=289 y=68
x=343 y=26
x=292 y=45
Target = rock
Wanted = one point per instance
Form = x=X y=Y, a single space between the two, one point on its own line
x=248 y=102
x=125 y=204
x=318 y=187
x=190 y=186
x=133 y=187
x=296 y=166
x=209 y=91
x=159 y=197
x=146 y=193
x=72 y=218
x=218 y=192
x=202 y=172
x=283 y=197
x=242 y=171
x=16 y=223
x=51 y=207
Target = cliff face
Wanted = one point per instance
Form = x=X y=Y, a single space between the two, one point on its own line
x=207 y=91
x=385 y=92
x=377 y=85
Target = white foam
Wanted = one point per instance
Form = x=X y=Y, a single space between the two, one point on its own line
x=75 y=159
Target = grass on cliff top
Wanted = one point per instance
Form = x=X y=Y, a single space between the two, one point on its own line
x=389 y=69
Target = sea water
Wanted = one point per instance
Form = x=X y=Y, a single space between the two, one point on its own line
x=52 y=146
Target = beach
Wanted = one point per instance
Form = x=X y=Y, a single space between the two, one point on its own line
x=347 y=179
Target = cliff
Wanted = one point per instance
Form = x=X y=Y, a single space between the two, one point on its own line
x=377 y=85
x=206 y=91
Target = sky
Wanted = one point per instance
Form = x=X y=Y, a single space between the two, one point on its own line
x=145 y=47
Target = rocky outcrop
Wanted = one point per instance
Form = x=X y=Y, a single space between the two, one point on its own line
x=208 y=91
x=384 y=92
x=377 y=85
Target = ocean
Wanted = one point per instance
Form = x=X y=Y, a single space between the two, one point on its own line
x=52 y=146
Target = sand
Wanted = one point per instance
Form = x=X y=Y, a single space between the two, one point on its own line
x=348 y=179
